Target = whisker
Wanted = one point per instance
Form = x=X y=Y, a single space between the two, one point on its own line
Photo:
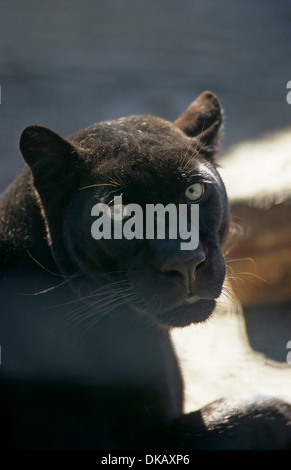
x=82 y=306
x=194 y=151
x=83 y=310
x=99 y=317
x=246 y=273
x=183 y=158
x=149 y=305
x=114 y=182
x=234 y=260
x=125 y=299
x=44 y=268
x=96 y=185
x=49 y=289
x=190 y=161
x=228 y=296
x=92 y=294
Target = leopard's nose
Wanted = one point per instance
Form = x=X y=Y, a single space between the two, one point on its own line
x=185 y=265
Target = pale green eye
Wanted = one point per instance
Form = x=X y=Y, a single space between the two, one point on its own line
x=117 y=212
x=195 y=191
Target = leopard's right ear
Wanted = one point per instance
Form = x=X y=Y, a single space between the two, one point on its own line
x=46 y=152
x=52 y=161
x=202 y=119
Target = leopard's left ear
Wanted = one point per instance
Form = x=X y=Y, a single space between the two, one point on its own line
x=202 y=119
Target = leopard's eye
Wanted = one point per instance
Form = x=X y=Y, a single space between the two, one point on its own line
x=117 y=212
x=195 y=191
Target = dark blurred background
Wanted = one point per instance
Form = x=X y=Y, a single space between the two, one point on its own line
x=66 y=64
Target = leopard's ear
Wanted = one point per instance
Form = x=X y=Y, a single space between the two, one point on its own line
x=202 y=119
x=46 y=152
x=52 y=161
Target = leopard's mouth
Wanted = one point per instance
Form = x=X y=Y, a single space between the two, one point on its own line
x=168 y=305
x=172 y=304
x=191 y=299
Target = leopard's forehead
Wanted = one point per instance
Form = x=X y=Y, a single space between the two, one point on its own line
x=139 y=133
x=137 y=143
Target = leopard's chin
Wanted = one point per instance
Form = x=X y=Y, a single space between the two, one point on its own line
x=192 y=311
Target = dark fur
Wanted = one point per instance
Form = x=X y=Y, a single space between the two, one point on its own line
x=105 y=376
